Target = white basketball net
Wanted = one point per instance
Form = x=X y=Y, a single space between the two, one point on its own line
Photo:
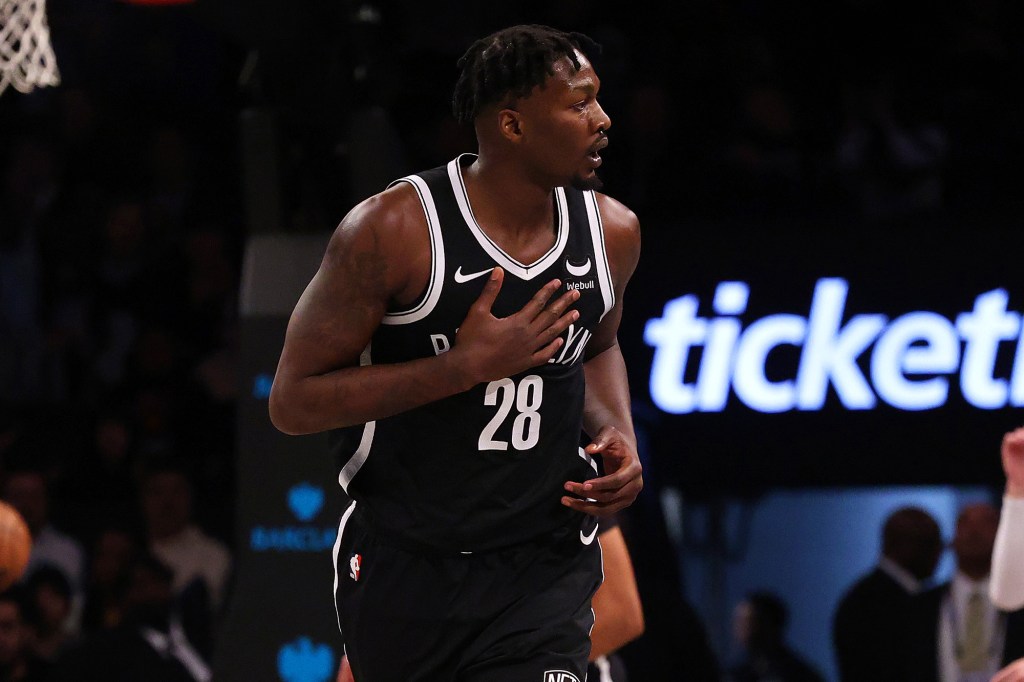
x=26 y=58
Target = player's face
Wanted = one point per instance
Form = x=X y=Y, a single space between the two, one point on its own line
x=565 y=127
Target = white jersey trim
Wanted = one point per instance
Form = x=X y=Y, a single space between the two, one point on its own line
x=510 y=264
x=588 y=459
x=355 y=463
x=604 y=273
x=335 y=552
x=433 y=293
x=358 y=458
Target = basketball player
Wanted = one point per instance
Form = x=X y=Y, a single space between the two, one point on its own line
x=1007 y=586
x=459 y=334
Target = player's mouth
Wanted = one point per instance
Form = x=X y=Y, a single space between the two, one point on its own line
x=594 y=155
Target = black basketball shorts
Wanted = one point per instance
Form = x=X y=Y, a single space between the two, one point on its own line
x=521 y=614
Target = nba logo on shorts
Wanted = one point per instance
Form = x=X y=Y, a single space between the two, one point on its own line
x=559 y=676
x=354 y=564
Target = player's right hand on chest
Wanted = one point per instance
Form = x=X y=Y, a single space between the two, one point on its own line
x=491 y=348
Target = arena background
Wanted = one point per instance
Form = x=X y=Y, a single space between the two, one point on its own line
x=768 y=144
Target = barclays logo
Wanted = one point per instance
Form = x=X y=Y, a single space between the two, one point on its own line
x=305 y=501
x=292 y=539
x=302 y=661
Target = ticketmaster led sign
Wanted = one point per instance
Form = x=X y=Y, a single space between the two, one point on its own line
x=909 y=362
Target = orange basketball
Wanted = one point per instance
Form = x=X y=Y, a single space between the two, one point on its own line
x=15 y=545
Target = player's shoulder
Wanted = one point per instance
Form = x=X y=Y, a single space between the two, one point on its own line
x=621 y=231
x=396 y=208
x=389 y=217
x=616 y=215
x=384 y=234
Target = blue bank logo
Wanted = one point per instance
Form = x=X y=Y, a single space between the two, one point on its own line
x=305 y=501
x=302 y=661
x=261 y=386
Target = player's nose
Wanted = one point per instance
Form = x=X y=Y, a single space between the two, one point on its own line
x=601 y=118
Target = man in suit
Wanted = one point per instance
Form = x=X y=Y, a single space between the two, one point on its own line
x=869 y=618
x=955 y=633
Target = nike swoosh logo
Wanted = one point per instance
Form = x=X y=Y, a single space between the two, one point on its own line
x=587 y=539
x=577 y=270
x=462 y=279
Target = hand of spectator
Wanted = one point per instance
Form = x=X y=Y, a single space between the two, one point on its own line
x=1013 y=462
x=619 y=487
x=1013 y=672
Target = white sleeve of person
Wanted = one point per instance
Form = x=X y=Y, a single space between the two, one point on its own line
x=1007 y=585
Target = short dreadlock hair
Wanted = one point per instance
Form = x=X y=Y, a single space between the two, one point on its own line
x=513 y=62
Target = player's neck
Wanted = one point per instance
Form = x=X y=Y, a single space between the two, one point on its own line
x=505 y=200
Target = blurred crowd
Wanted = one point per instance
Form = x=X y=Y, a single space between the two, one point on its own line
x=120 y=238
x=744 y=111
x=122 y=219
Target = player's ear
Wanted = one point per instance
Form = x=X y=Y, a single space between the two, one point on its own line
x=510 y=124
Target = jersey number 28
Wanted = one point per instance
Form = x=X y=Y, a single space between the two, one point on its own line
x=527 y=397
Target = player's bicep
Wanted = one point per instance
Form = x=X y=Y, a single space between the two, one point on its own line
x=340 y=309
x=606 y=334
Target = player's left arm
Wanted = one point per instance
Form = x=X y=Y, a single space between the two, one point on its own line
x=606 y=414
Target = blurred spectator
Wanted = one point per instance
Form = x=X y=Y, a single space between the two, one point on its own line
x=149 y=644
x=955 y=633
x=98 y=488
x=171 y=166
x=648 y=128
x=891 y=157
x=872 y=614
x=155 y=412
x=760 y=629
x=28 y=492
x=208 y=332
x=763 y=163
x=31 y=183
x=113 y=554
x=17 y=663
x=120 y=273
x=211 y=283
x=48 y=596
x=193 y=556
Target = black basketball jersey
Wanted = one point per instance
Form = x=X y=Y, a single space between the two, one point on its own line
x=485 y=468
